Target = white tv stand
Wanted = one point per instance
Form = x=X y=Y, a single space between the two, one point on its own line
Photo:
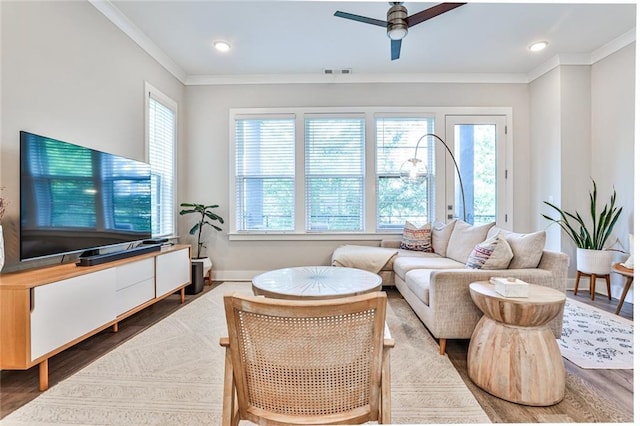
x=45 y=311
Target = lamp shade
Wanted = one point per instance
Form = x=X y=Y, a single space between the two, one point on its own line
x=413 y=171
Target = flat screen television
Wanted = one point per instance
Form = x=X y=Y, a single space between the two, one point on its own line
x=76 y=199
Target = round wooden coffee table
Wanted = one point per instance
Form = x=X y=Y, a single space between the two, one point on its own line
x=512 y=353
x=315 y=282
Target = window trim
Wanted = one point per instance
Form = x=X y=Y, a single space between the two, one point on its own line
x=370 y=202
x=151 y=91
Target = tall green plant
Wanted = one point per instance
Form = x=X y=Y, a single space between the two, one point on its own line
x=601 y=224
x=205 y=212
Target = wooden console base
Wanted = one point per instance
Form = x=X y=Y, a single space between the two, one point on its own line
x=47 y=310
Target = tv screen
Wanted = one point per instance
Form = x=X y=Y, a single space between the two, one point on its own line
x=75 y=199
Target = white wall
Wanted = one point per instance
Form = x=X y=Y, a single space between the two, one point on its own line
x=206 y=167
x=612 y=134
x=582 y=127
x=70 y=74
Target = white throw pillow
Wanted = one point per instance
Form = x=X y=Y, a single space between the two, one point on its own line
x=629 y=262
x=416 y=239
x=527 y=248
x=440 y=235
x=493 y=253
x=464 y=238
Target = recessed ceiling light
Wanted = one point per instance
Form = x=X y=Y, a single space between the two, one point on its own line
x=538 y=46
x=221 y=46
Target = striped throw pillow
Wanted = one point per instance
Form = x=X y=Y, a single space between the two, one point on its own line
x=493 y=253
x=416 y=239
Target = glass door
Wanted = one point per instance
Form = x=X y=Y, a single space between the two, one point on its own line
x=479 y=145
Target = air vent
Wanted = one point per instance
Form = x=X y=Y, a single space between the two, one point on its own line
x=337 y=71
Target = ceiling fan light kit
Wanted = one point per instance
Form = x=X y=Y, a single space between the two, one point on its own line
x=398 y=23
x=397 y=27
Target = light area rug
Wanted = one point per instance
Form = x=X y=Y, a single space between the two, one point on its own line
x=593 y=338
x=172 y=374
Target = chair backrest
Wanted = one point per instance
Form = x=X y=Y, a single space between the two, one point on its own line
x=307 y=361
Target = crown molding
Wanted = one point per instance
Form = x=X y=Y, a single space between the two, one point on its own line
x=114 y=14
x=613 y=46
x=584 y=58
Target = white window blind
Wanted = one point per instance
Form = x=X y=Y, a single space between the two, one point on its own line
x=265 y=174
x=396 y=140
x=162 y=130
x=334 y=174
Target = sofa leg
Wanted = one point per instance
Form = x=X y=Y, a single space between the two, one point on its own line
x=443 y=344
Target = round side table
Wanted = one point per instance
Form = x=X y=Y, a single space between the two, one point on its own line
x=512 y=353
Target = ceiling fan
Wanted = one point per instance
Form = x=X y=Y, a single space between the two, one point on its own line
x=398 y=23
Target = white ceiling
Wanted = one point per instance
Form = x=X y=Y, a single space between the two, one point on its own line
x=298 y=39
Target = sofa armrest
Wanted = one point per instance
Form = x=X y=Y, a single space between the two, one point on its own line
x=558 y=263
x=449 y=290
x=390 y=243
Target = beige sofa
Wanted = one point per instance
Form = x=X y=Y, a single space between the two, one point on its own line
x=436 y=285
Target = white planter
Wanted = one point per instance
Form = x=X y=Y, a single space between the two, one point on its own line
x=594 y=261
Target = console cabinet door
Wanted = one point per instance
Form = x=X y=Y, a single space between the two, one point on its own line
x=173 y=270
x=65 y=310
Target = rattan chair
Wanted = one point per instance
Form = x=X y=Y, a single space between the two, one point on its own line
x=306 y=362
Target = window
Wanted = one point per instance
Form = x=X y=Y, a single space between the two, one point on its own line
x=396 y=140
x=161 y=154
x=265 y=174
x=334 y=174
x=307 y=173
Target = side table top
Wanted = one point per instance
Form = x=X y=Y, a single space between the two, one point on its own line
x=542 y=305
x=537 y=293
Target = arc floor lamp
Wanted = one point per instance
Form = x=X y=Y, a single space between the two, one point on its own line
x=414 y=170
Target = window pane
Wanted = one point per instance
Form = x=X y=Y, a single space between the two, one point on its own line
x=334 y=181
x=265 y=173
x=476 y=155
x=162 y=147
x=396 y=140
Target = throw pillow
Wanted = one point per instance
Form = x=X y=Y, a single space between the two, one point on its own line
x=629 y=262
x=493 y=253
x=527 y=248
x=440 y=235
x=416 y=239
x=464 y=238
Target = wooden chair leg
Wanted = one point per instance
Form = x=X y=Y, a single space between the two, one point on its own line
x=443 y=345
x=229 y=390
x=385 y=391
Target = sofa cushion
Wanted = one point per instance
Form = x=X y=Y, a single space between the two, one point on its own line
x=440 y=234
x=418 y=282
x=527 y=248
x=492 y=253
x=464 y=238
x=403 y=264
x=416 y=239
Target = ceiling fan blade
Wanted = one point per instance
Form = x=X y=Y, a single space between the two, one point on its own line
x=432 y=12
x=395 y=49
x=359 y=18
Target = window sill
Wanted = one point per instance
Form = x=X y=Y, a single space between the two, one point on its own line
x=284 y=236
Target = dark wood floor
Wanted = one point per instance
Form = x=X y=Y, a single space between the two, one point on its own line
x=592 y=396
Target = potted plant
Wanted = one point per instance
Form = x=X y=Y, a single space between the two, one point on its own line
x=207 y=218
x=591 y=256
